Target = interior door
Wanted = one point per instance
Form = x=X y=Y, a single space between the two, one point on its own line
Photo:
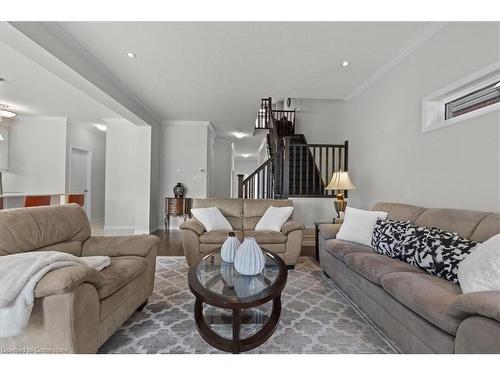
x=79 y=181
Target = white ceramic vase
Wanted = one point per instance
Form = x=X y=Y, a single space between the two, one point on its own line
x=249 y=259
x=229 y=248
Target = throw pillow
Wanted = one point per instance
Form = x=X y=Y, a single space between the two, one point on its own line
x=274 y=218
x=389 y=235
x=480 y=271
x=211 y=218
x=358 y=225
x=435 y=250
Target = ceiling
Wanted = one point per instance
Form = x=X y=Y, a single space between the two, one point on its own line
x=217 y=72
x=31 y=90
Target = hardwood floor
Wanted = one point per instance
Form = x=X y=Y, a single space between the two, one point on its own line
x=171 y=244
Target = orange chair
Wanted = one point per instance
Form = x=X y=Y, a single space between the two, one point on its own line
x=76 y=198
x=36 y=200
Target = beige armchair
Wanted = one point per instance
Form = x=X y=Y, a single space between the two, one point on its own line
x=243 y=214
x=77 y=308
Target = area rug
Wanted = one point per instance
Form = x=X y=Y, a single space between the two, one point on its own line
x=315 y=318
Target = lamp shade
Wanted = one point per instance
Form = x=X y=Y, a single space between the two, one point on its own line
x=340 y=181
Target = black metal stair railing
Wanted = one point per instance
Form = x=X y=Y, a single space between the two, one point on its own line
x=295 y=168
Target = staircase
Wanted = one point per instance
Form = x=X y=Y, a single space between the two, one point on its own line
x=294 y=168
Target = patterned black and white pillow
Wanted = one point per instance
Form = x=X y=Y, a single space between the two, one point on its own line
x=388 y=235
x=432 y=249
x=445 y=250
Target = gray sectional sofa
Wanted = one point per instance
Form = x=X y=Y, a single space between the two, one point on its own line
x=420 y=313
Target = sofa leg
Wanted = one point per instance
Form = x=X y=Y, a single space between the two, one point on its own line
x=290 y=267
x=142 y=306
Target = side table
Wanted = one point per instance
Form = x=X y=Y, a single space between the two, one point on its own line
x=316 y=233
x=176 y=207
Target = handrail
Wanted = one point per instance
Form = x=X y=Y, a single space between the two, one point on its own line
x=260 y=168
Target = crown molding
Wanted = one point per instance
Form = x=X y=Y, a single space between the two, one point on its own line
x=404 y=52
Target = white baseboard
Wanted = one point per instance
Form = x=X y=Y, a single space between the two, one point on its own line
x=97 y=220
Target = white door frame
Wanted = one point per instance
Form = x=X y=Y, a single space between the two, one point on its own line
x=88 y=193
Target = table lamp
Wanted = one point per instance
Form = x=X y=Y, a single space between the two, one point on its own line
x=340 y=181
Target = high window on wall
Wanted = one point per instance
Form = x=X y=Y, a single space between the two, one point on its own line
x=470 y=97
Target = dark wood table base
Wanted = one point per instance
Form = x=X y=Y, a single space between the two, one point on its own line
x=237 y=345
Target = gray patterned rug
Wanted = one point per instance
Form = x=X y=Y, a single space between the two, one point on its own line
x=315 y=318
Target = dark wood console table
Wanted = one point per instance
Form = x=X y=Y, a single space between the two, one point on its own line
x=176 y=207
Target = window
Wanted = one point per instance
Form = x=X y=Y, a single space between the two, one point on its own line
x=467 y=98
x=478 y=99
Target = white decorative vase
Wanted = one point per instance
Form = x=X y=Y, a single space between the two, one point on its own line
x=249 y=259
x=246 y=286
x=229 y=248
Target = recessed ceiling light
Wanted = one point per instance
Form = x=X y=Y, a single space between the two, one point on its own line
x=239 y=134
x=101 y=127
x=344 y=63
x=5 y=112
x=245 y=155
x=131 y=55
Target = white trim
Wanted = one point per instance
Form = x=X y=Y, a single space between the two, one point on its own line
x=433 y=105
x=407 y=49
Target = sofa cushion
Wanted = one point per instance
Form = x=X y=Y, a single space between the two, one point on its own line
x=374 y=266
x=254 y=209
x=232 y=209
x=62 y=280
x=400 y=211
x=339 y=249
x=121 y=271
x=426 y=295
x=463 y=222
x=219 y=236
x=27 y=229
x=487 y=228
x=266 y=236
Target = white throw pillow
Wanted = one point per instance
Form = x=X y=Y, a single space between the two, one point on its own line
x=358 y=225
x=480 y=270
x=274 y=218
x=211 y=218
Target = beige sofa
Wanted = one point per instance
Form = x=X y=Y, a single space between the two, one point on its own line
x=419 y=312
x=243 y=214
x=76 y=308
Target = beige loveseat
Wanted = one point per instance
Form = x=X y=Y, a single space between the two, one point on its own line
x=76 y=308
x=419 y=312
x=243 y=214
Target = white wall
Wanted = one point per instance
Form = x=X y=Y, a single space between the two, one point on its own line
x=128 y=176
x=4 y=148
x=245 y=167
x=37 y=156
x=211 y=168
x=94 y=140
x=389 y=158
x=221 y=171
x=183 y=158
x=154 y=208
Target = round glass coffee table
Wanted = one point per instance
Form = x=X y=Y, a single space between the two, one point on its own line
x=233 y=312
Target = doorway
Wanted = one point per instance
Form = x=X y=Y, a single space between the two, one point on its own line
x=80 y=175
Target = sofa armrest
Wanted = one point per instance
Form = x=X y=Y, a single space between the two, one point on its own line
x=329 y=231
x=115 y=246
x=194 y=225
x=290 y=226
x=63 y=280
x=486 y=304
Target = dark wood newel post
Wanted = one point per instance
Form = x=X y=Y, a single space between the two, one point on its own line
x=240 y=185
x=286 y=168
